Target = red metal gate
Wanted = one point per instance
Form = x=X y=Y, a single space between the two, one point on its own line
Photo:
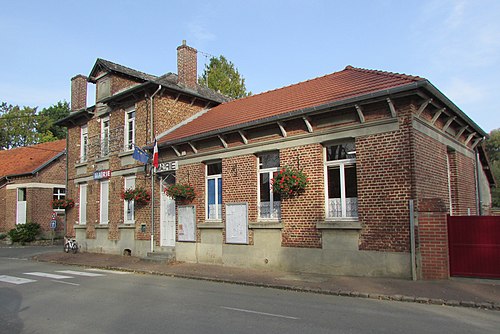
x=474 y=246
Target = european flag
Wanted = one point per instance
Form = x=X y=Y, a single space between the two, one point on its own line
x=140 y=155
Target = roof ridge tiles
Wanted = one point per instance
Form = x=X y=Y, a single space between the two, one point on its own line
x=104 y=61
x=386 y=73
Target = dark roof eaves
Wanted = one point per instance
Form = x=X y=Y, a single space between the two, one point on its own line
x=74 y=114
x=394 y=90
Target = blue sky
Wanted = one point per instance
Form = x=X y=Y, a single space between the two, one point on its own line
x=453 y=43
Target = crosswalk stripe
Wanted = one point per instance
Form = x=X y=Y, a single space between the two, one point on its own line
x=54 y=276
x=15 y=280
x=79 y=273
x=110 y=271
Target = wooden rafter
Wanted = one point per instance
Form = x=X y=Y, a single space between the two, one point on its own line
x=223 y=141
x=436 y=115
x=469 y=138
x=308 y=123
x=282 y=128
x=243 y=137
x=193 y=147
x=176 y=151
x=461 y=131
x=360 y=113
x=423 y=106
x=448 y=123
x=476 y=142
x=391 y=107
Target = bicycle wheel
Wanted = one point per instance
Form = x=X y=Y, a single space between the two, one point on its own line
x=74 y=248
x=66 y=247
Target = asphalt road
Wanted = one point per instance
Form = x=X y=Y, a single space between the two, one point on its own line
x=79 y=300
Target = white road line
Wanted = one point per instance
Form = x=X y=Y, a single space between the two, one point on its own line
x=78 y=273
x=15 y=280
x=63 y=282
x=261 y=313
x=110 y=271
x=54 y=276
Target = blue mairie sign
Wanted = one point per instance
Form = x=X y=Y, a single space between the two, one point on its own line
x=102 y=174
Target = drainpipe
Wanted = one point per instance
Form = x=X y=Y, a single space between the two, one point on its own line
x=152 y=172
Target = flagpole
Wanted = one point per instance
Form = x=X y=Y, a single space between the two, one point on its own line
x=151 y=132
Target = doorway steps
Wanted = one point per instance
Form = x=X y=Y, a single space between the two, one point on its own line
x=166 y=255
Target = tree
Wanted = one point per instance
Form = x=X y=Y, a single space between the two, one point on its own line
x=493 y=150
x=221 y=76
x=47 y=118
x=17 y=126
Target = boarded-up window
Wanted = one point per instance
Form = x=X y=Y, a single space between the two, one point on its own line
x=187 y=223
x=237 y=223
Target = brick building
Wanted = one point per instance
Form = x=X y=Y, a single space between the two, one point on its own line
x=382 y=151
x=31 y=178
x=131 y=109
x=375 y=146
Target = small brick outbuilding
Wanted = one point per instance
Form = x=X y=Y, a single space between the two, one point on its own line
x=31 y=178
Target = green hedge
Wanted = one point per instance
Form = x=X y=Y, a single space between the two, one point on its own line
x=24 y=232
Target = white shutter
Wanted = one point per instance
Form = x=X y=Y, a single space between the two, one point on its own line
x=83 y=204
x=129 y=217
x=104 y=202
x=187 y=223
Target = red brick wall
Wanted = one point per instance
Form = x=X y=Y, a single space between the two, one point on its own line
x=3 y=213
x=187 y=65
x=463 y=184
x=300 y=214
x=384 y=187
x=433 y=238
x=78 y=92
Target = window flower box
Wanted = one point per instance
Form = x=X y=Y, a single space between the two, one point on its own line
x=139 y=195
x=290 y=182
x=63 y=204
x=180 y=191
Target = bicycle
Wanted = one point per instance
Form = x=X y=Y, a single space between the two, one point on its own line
x=70 y=245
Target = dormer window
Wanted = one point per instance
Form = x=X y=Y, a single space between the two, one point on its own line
x=105 y=136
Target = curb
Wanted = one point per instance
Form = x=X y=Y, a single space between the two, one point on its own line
x=340 y=293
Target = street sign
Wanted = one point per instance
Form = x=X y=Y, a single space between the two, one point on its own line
x=53 y=224
x=54 y=214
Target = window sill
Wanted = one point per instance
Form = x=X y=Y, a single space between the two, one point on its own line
x=211 y=224
x=101 y=159
x=127 y=226
x=339 y=224
x=125 y=153
x=103 y=226
x=80 y=226
x=81 y=164
x=266 y=224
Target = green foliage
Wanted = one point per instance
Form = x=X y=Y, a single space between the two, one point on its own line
x=180 y=191
x=139 y=195
x=25 y=126
x=290 y=182
x=221 y=76
x=3 y=236
x=24 y=232
x=493 y=150
x=47 y=118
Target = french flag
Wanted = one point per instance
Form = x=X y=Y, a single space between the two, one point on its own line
x=155 y=155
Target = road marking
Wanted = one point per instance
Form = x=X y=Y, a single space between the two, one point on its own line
x=261 y=313
x=63 y=282
x=15 y=258
x=78 y=273
x=15 y=280
x=54 y=276
x=110 y=271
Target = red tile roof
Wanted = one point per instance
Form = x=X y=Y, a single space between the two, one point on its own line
x=338 y=86
x=24 y=160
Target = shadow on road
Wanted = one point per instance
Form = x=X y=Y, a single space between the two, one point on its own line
x=10 y=304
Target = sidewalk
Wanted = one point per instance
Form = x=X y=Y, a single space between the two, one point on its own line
x=454 y=292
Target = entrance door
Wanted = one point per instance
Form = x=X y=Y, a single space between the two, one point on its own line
x=21 y=206
x=167 y=217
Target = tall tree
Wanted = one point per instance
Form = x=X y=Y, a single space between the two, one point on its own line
x=222 y=76
x=493 y=149
x=18 y=126
x=46 y=119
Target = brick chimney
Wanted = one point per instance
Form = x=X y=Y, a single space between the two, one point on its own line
x=187 y=65
x=78 y=92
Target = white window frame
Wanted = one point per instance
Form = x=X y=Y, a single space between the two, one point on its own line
x=128 y=204
x=270 y=171
x=59 y=193
x=84 y=141
x=104 y=203
x=82 y=212
x=105 y=136
x=218 y=206
x=129 y=140
x=341 y=164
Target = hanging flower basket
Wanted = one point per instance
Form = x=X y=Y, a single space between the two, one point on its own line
x=63 y=204
x=180 y=191
x=290 y=182
x=139 y=195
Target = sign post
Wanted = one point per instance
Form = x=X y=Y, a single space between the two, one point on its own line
x=53 y=225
